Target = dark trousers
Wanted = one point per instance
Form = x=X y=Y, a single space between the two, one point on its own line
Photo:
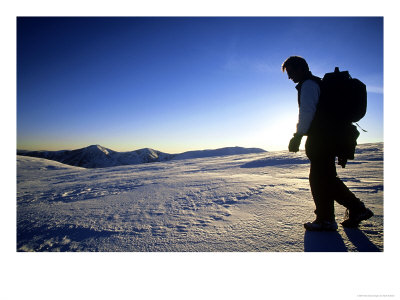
x=326 y=187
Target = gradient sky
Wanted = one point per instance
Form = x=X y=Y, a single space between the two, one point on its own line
x=178 y=84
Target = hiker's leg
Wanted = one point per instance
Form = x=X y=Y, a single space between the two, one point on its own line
x=322 y=177
x=344 y=196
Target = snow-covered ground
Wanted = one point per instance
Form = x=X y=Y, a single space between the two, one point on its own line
x=248 y=202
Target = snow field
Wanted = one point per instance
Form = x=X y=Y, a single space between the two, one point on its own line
x=250 y=202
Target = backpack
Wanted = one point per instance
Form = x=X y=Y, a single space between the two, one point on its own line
x=343 y=99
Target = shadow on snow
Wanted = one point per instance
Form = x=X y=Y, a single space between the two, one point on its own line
x=360 y=240
x=37 y=237
x=315 y=241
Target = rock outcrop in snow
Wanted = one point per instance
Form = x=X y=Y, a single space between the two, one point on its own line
x=96 y=156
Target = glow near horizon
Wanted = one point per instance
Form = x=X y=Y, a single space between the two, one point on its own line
x=178 y=84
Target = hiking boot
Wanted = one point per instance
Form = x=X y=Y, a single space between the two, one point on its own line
x=355 y=217
x=321 y=226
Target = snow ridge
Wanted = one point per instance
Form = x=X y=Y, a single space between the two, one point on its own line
x=96 y=156
x=218 y=152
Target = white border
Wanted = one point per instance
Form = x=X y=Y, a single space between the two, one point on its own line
x=197 y=275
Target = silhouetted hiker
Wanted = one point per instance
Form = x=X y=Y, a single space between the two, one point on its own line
x=326 y=140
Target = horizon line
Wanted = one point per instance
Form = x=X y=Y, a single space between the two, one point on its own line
x=205 y=149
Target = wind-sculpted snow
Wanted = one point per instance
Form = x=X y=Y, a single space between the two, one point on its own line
x=247 y=202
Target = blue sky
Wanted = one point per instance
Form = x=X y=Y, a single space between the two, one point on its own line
x=177 y=84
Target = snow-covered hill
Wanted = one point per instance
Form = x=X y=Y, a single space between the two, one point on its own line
x=96 y=156
x=218 y=152
x=248 y=202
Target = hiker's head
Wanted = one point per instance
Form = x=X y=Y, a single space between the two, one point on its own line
x=296 y=67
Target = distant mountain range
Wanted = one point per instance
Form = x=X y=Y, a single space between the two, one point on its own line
x=96 y=156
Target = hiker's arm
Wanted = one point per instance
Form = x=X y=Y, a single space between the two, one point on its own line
x=310 y=92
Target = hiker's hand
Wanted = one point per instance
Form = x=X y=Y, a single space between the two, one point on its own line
x=295 y=142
